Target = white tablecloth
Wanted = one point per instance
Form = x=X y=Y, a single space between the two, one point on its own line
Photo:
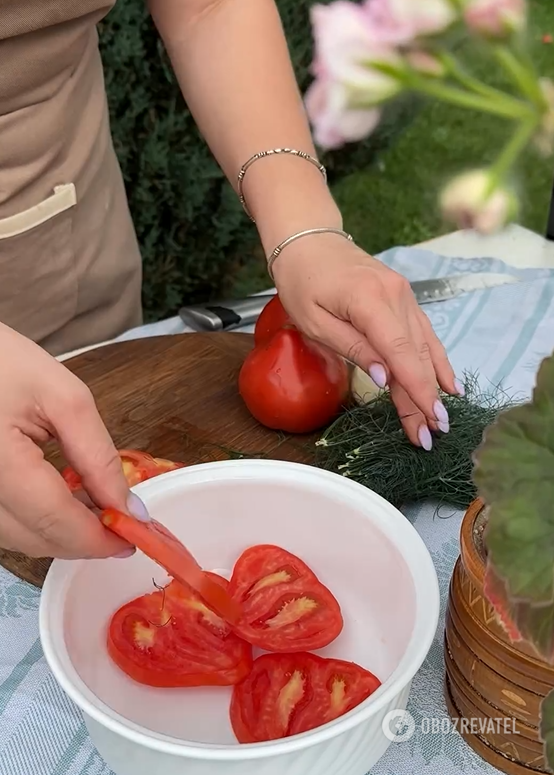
x=502 y=333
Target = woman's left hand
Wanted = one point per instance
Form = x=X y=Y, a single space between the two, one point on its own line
x=344 y=298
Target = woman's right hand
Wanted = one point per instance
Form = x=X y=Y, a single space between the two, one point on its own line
x=41 y=399
x=363 y=310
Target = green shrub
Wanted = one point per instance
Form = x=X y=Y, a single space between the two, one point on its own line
x=194 y=237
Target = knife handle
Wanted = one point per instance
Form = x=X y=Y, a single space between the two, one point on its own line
x=225 y=315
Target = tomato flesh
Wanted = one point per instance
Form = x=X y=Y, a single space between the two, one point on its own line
x=292 y=384
x=171 y=638
x=72 y=479
x=158 y=543
x=285 y=608
x=287 y=694
x=137 y=467
x=272 y=318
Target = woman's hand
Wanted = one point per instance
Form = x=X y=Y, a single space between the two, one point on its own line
x=344 y=298
x=41 y=399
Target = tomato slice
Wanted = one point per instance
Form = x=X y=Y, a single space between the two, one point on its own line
x=171 y=638
x=271 y=319
x=72 y=479
x=166 y=550
x=137 y=467
x=285 y=608
x=151 y=466
x=164 y=465
x=286 y=694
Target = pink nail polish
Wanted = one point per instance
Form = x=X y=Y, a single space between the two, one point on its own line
x=424 y=436
x=440 y=412
x=137 y=508
x=378 y=374
x=459 y=388
x=444 y=427
x=125 y=553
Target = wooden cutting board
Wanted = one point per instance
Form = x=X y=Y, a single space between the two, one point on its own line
x=174 y=397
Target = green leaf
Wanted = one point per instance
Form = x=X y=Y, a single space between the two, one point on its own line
x=514 y=474
x=521 y=620
x=547 y=729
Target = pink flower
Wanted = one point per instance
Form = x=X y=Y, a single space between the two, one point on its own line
x=342 y=103
x=425 y=63
x=334 y=122
x=346 y=48
x=495 y=18
x=466 y=201
x=400 y=22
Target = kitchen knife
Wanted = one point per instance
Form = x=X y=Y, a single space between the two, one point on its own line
x=231 y=314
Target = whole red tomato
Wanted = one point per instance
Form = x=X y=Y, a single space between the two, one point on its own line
x=292 y=384
x=272 y=318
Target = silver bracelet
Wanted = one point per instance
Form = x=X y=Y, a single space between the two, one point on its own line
x=322 y=230
x=273 y=152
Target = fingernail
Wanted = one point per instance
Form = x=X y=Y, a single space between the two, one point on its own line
x=125 y=553
x=459 y=388
x=137 y=508
x=424 y=436
x=444 y=427
x=440 y=412
x=378 y=375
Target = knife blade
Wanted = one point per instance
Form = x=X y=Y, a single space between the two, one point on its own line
x=231 y=314
x=445 y=288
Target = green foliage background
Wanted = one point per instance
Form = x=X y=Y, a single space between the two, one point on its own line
x=195 y=240
x=197 y=243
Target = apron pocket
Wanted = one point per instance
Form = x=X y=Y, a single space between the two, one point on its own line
x=38 y=278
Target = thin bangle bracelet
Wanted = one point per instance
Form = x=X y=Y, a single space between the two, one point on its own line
x=273 y=152
x=322 y=230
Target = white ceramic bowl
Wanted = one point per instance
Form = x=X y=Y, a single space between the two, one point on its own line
x=356 y=542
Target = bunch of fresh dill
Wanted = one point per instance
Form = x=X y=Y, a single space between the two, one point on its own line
x=367 y=444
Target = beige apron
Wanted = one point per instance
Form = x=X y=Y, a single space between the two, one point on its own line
x=70 y=268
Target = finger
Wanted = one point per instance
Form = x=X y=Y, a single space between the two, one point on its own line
x=407 y=362
x=413 y=421
x=424 y=350
x=88 y=447
x=443 y=368
x=343 y=338
x=34 y=493
x=422 y=346
x=15 y=537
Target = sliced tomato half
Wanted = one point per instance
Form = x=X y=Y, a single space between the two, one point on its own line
x=287 y=694
x=137 y=467
x=171 y=638
x=158 y=543
x=285 y=608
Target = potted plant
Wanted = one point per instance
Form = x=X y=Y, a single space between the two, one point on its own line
x=514 y=474
x=366 y=55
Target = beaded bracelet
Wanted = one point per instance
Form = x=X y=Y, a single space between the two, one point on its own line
x=273 y=152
